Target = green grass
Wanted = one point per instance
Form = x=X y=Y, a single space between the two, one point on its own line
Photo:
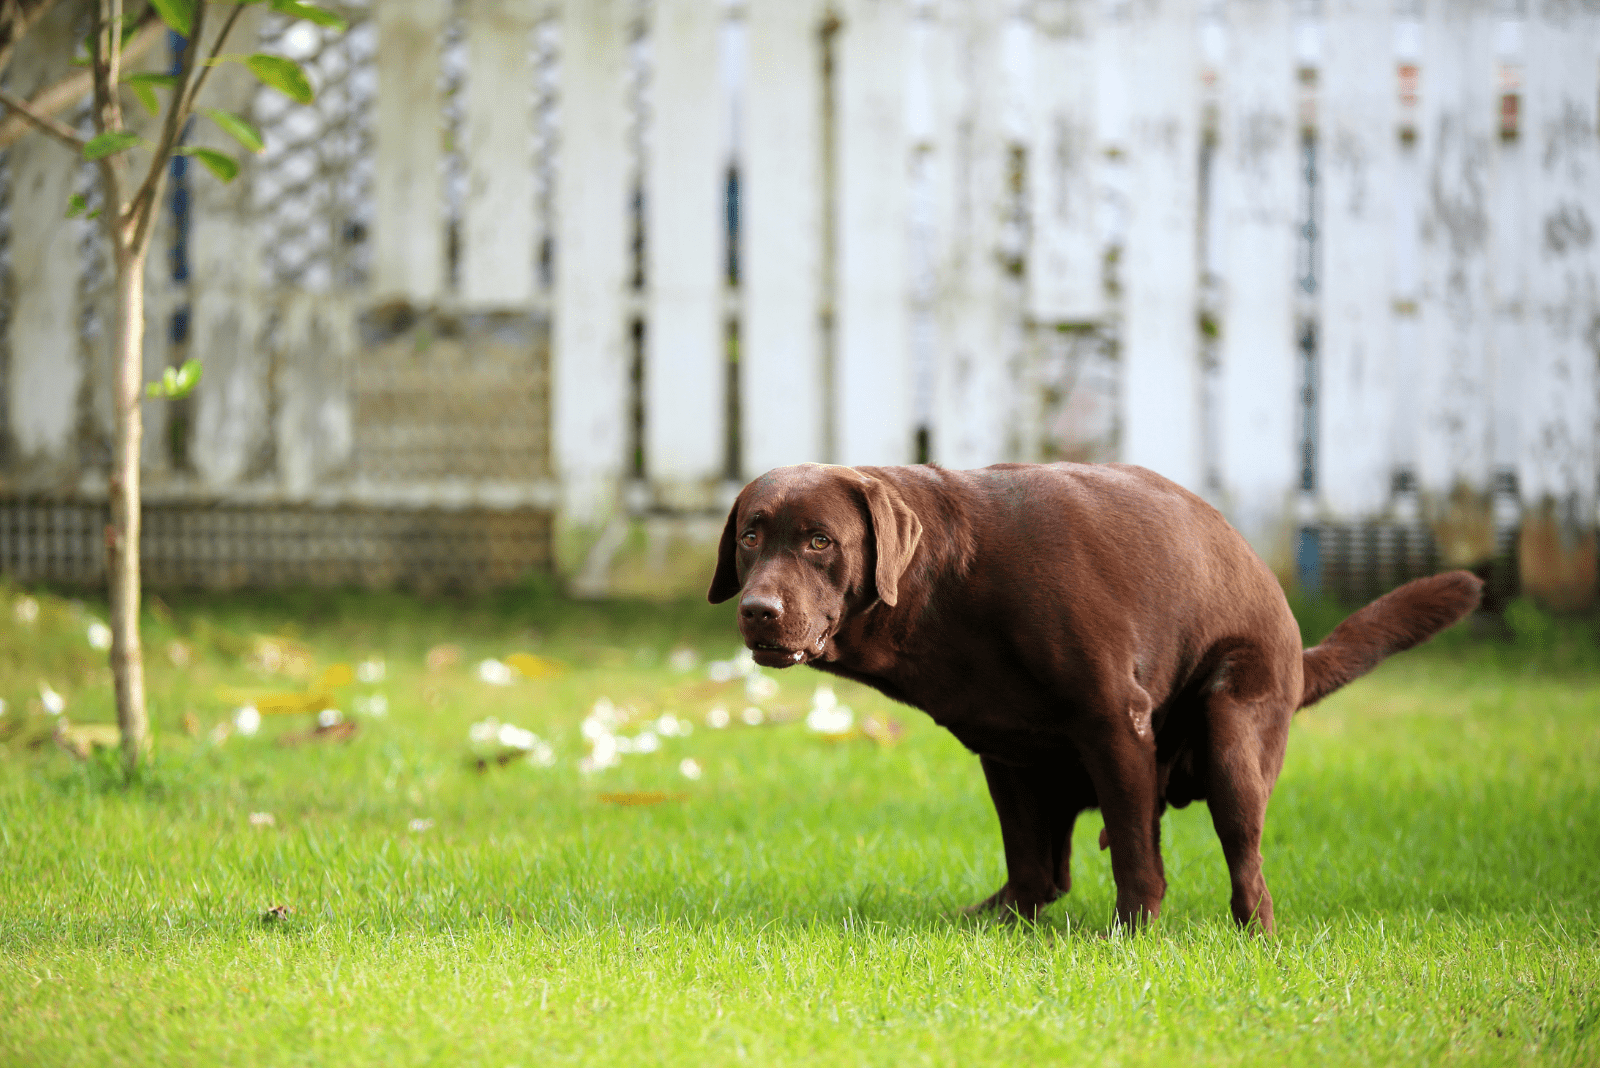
x=1431 y=849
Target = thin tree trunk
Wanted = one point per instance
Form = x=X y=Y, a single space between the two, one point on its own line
x=122 y=537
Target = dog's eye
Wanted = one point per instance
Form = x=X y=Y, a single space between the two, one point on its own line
x=748 y=539
x=821 y=541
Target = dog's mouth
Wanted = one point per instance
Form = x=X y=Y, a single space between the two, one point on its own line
x=769 y=654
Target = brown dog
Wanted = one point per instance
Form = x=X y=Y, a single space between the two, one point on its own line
x=1098 y=635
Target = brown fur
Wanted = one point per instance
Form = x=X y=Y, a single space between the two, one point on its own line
x=1098 y=635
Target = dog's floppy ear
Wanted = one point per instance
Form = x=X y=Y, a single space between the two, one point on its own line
x=896 y=530
x=725 y=583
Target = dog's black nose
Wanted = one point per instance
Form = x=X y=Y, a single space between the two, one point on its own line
x=758 y=608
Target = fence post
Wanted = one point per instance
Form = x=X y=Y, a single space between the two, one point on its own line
x=500 y=239
x=872 y=387
x=685 y=345
x=588 y=361
x=1161 y=366
x=231 y=403
x=408 y=260
x=45 y=368
x=1453 y=453
x=1561 y=408
x=1064 y=277
x=980 y=265
x=1358 y=385
x=780 y=352
x=1254 y=185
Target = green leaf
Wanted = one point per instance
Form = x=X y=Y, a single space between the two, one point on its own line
x=147 y=98
x=176 y=381
x=282 y=74
x=76 y=205
x=311 y=13
x=179 y=14
x=220 y=164
x=110 y=143
x=236 y=127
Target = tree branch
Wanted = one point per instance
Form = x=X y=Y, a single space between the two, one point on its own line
x=179 y=110
x=69 y=90
x=103 y=91
x=21 y=19
x=25 y=115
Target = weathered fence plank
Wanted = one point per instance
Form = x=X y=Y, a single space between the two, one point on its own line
x=409 y=260
x=1559 y=367
x=980 y=286
x=500 y=240
x=1453 y=456
x=685 y=339
x=1161 y=379
x=1064 y=261
x=589 y=362
x=1255 y=170
x=227 y=317
x=1358 y=382
x=781 y=193
x=45 y=366
x=872 y=387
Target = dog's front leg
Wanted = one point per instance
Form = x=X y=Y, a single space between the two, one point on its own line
x=1036 y=829
x=1118 y=749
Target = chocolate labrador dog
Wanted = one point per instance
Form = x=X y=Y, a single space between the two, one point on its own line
x=1098 y=635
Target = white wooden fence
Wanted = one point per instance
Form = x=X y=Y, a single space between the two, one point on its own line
x=1325 y=262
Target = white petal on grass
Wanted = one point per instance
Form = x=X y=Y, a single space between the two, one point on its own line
x=2 y=706
x=329 y=717
x=513 y=737
x=374 y=705
x=99 y=635
x=370 y=671
x=690 y=768
x=247 y=720
x=670 y=726
x=484 y=732
x=827 y=715
x=717 y=718
x=53 y=702
x=605 y=753
x=646 y=742
x=720 y=671
x=542 y=755
x=495 y=672
x=683 y=659
x=420 y=825
x=752 y=716
x=263 y=819
x=26 y=611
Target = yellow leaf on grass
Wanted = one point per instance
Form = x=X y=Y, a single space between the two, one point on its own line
x=336 y=675
x=631 y=798
x=530 y=666
x=292 y=704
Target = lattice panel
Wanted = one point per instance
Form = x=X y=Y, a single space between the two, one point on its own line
x=313 y=184
x=1366 y=560
x=227 y=546
x=452 y=397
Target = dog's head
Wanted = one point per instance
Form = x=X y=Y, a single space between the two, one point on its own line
x=807 y=546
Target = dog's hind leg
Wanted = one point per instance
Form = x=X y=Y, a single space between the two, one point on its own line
x=1118 y=751
x=1246 y=743
x=1036 y=817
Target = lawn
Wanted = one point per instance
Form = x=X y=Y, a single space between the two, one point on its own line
x=1431 y=850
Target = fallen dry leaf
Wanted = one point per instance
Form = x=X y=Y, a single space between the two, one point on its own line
x=885 y=730
x=277 y=914
x=442 y=658
x=335 y=732
x=335 y=675
x=82 y=739
x=632 y=798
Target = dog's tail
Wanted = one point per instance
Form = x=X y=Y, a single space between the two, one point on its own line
x=1394 y=622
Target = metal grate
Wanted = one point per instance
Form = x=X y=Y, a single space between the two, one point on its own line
x=313 y=183
x=228 y=546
